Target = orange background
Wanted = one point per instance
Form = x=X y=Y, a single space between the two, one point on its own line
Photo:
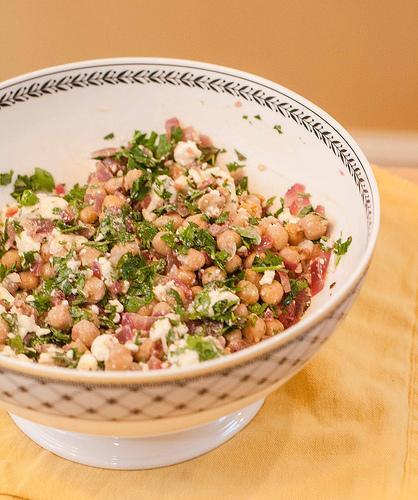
x=357 y=59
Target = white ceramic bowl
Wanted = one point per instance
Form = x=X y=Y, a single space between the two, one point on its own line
x=54 y=117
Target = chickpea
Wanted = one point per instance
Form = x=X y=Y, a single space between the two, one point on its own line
x=47 y=270
x=229 y=241
x=196 y=289
x=119 y=250
x=114 y=184
x=85 y=331
x=241 y=311
x=130 y=177
x=144 y=352
x=248 y=292
x=94 y=290
x=4 y=331
x=88 y=255
x=113 y=201
x=186 y=276
x=161 y=309
x=295 y=234
x=59 y=317
x=212 y=273
x=88 y=215
x=273 y=293
x=314 y=226
x=11 y=258
x=193 y=260
x=28 y=280
x=233 y=335
x=212 y=203
x=253 y=277
x=254 y=330
x=252 y=205
x=163 y=220
x=233 y=264
x=249 y=260
x=290 y=256
x=45 y=253
x=273 y=326
x=146 y=310
x=159 y=245
x=120 y=358
x=278 y=235
x=11 y=283
x=197 y=219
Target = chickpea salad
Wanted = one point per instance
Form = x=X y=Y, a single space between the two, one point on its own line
x=164 y=258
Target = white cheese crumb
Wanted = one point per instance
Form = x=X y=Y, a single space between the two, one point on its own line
x=185 y=358
x=101 y=346
x=87 y=362
x=186 y=152
x=115 y=303
x=25 y=243
x=6 y=295
x=27 y=324
x=160 y=291
x=106 y=270
x=267 y=278
x=159 y=331
x=287 y=217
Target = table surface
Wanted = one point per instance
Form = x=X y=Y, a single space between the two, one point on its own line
x=408 y=173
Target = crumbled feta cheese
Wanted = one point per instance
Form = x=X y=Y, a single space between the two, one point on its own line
x=116 y=318
x=131 y=346
x=215 y=296
x=49 y=207
x=70 y=354
x=46 y=358
x=162 y=184
x=9 y=352
x=25 y=243
x=6 y=295
x=94 y=309
x=287 y=218
x=159 y=331
x=224 y=179
x=63 y=243
x=101 y=346
x=87 y=362
x=73 y=264
x=115 y=303
x=267 y=278
x=106 y=270
x=161 y=290
x=186 y=152
x=27 y=324
x=184 y=358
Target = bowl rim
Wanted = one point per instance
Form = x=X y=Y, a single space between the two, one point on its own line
x=253 y=352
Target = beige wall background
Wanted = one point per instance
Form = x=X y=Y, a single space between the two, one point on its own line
x=357 y=59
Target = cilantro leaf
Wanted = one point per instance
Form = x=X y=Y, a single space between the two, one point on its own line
x=204 y=347
x=278 y=128
x=109 y=136
x=341 y=248
x=271 y=262
x=6 y=178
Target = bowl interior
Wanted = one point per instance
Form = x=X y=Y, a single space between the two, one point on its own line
x=55 y=118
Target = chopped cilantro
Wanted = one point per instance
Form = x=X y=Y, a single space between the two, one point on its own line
x=242 y=185
x=28 y=198
x=28 y=260
x=278 y=128
x=305 y=211
x=234 y=166
x=280 y=209
x=271 y=262
x=240 y=156
x=245 y=117
x=16 y=343
x=296 y=286
x=141 y=186
x=109 y=136
x=257 y=308
x=223 y=217
x=204 y=347
x=257 y=117
x=41 y=180
x=75 y=196
x=146 y=232
x=249 y=236
x=6 y=178
x=341 y=248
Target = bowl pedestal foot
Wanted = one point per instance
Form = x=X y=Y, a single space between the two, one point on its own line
x=138 y=453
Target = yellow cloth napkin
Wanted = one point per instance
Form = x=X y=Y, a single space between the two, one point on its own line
x=345 y=427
